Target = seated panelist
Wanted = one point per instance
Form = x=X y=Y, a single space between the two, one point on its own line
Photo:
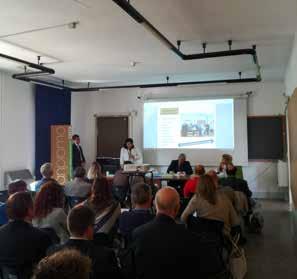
x=180 y=165
x=129 y=153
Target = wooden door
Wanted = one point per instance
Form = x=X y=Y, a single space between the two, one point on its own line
x=111 y=134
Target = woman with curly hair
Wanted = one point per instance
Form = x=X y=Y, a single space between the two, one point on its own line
x=49 y=211
x=105 y=208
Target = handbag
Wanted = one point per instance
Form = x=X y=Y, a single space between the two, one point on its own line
x=237 y=261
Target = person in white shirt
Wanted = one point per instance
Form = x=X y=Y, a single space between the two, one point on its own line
x=129 y=153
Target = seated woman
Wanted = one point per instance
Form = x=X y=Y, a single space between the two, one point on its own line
x=94 y=172
x=106 y=209
x=207 y=203
x=190 y=186
x=225 y=162
x=49 y=211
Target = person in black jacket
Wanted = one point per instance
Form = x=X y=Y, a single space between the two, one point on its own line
x=21 y=245
x=179 y=166
x=80 y=225
x=162 y=247
x=78 y=158
x=237 y=184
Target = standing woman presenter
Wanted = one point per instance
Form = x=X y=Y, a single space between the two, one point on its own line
x=129 y=153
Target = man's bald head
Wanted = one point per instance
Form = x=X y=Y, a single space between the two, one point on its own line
x=167 y=201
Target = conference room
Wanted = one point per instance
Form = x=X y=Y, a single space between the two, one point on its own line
x=163 y=113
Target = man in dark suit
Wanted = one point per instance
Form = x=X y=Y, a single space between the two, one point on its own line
x=21 y=245
x=81 y=227
x=78 y=158
x=182 y=166
x=162 y=247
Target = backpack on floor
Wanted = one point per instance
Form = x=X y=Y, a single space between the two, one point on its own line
x=256 y=223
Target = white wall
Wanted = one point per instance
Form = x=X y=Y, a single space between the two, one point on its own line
x=17 y=125
x=291 y=74
x=266 y=99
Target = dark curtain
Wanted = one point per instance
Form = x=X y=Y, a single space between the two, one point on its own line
x=52 y=107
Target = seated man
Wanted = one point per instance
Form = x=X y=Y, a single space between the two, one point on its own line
x=66 y=264
x=162 y=247
x=120 y=185
x=191 y=184
x=13 y=187
x=46 y=171
x=78 y=187
x=141 y=197
x=179 y=166
x=21 y=244
x=80 y=225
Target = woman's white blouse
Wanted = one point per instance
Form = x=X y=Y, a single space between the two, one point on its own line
x=125 y=156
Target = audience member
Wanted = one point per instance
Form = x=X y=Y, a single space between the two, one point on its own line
x=49 y=210
x=120 y=185
x=66 y=264
x=94 y=172
x=191 y=184
x=162 y=247
x=106 y=209
x=21 y=244
x=47 y=172
x=228 y=191
x=78 y=187
x=13 y=187
x=80 y=225
x=208 y=204
x=141 y=196
x=237 y=184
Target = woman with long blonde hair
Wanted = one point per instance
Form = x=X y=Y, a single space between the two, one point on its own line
x=207 y=203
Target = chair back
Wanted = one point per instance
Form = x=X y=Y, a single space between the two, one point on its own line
x=211 y=245
x=15 y=273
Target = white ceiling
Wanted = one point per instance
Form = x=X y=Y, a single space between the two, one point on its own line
x=107 y=40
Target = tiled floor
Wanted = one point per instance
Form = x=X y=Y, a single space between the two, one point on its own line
x=274 y=253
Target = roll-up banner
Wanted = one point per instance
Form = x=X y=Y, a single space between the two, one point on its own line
x=61 y=152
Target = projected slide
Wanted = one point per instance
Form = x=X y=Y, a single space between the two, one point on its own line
x=189 y=124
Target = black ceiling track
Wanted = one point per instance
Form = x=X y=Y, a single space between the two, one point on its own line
x=41 y=69
x=30 y=76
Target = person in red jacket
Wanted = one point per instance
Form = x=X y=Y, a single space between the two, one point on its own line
x=190 y=186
